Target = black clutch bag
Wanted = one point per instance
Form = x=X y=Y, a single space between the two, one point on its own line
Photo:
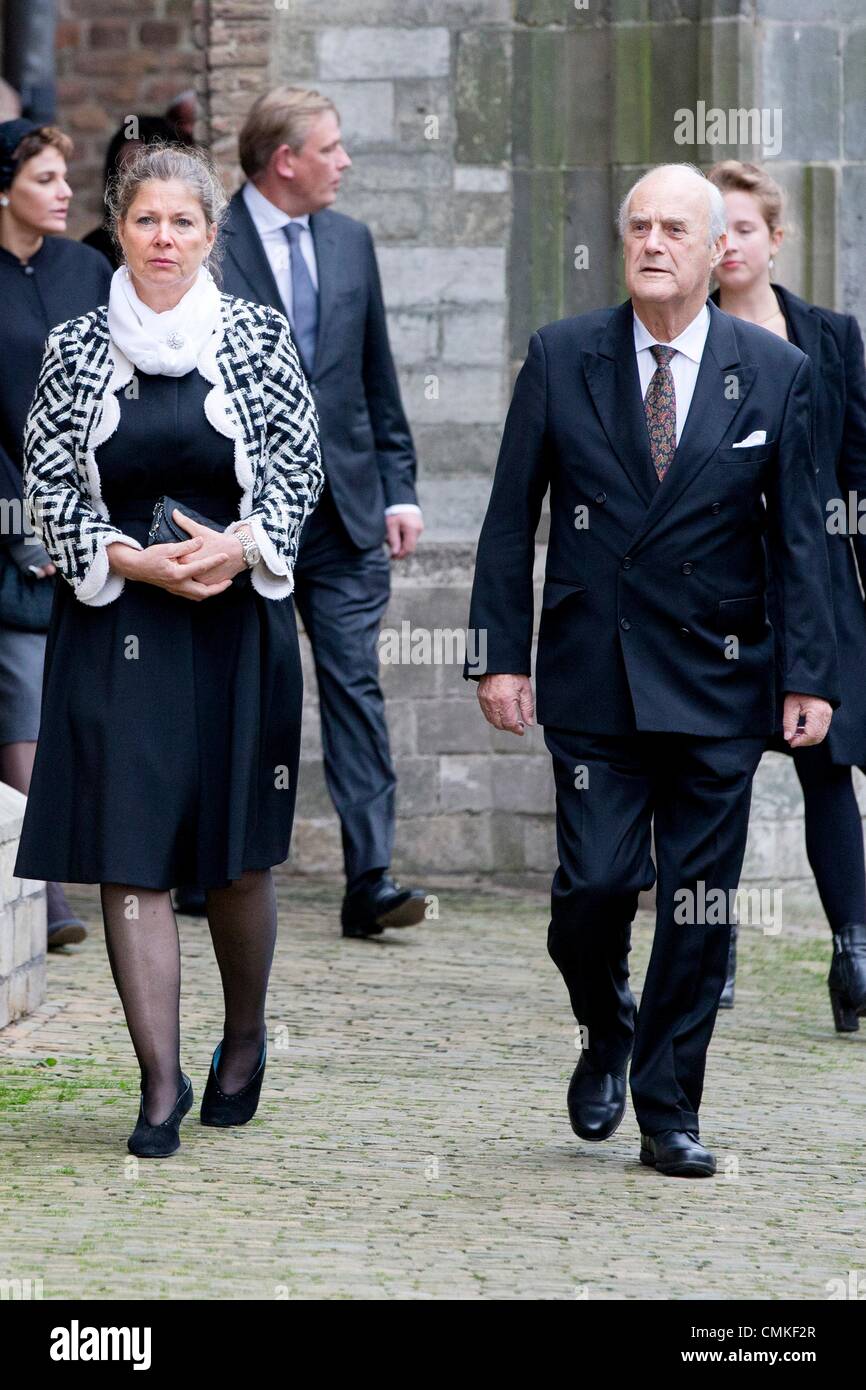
x=165 y=530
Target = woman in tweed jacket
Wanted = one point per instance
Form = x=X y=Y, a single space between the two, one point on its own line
x=170 y=733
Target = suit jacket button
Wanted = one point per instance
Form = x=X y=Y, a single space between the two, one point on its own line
x=716 y=508
x=688 y=567
x=686 y=630
x=601 y=498
x=626 y=564
x=624 y=624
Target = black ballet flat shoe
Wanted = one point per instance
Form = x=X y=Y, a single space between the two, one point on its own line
x=847 y=978
x=596 y=1102
x=726 y=1001
x=222 y=1110
x=678 y=1153
x=158 y=1141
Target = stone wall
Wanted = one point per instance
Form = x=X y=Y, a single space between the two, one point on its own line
x=22 y=920
x=492 y=146
x=492 y=141
x=596 y=92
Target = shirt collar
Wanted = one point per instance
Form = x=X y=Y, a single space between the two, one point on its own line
x=690 y=342
x=265 y=214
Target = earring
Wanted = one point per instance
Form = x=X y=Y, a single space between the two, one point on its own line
x=4 y=201
x=772 y=263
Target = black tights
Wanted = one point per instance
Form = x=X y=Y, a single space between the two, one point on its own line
x=834 y=835
x=144 y=955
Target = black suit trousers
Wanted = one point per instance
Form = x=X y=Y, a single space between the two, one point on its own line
x=610 y=790
x=341 y=593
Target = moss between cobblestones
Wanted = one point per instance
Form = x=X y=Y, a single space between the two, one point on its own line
x=453 y=1041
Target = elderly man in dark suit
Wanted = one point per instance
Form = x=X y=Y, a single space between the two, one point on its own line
x=673 y=439
x=284 y=246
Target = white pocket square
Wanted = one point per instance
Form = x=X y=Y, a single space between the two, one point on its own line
x=756 y=437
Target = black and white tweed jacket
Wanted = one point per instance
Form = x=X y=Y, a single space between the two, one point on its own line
x=260 y=399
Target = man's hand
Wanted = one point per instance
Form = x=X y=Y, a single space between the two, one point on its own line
x=506 y=702
x=403 y=529
x=816 y=722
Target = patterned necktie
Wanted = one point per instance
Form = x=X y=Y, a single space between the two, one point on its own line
x=660 y=404
x=305 y=300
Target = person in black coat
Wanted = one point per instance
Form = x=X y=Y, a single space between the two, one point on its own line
x=45 y=278
x=834 y=835
x=674 y=441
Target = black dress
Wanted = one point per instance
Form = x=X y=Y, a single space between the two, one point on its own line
x=170 y=728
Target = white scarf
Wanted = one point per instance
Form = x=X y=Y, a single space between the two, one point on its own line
x=166 y=344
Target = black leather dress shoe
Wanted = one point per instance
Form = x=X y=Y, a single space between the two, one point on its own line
x=678 y=1153
x=375 y=906
x=726 y=1000
x=596 y=1101
x=158 y=1141
x=191 y=901
x=847 y=978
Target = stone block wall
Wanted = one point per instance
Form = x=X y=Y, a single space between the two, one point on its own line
x=22 y=920
x=596 y=96
x=423 y=91
x=492 y=144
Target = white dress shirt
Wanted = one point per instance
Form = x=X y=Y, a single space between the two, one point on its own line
x=685 y=363
x=269 y=221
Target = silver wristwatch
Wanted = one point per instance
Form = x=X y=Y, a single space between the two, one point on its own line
x=252 y=554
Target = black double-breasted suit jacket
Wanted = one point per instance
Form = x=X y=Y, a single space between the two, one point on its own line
x=654 y=614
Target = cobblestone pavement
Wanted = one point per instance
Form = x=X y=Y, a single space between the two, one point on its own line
x=412 y=1139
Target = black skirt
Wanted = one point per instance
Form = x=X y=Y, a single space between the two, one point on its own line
x=170 y=729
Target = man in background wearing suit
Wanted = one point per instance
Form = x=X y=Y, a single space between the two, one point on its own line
x=674 y=440
x=284 y=246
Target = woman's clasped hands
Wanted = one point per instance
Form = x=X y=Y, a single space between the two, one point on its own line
x=196 y=569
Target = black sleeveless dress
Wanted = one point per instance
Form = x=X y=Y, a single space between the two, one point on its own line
x=170 y=729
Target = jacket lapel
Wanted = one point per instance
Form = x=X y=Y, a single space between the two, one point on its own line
x=244 y=246
x=612 y=377
x=721 y=388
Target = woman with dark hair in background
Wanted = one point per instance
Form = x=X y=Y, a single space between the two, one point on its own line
x=125 y=143
x=834 y=834
x=45 y=279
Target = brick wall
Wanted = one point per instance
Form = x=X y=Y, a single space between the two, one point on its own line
x=116 y=57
